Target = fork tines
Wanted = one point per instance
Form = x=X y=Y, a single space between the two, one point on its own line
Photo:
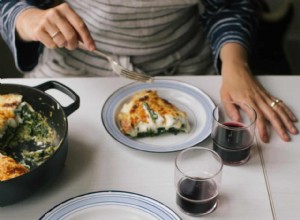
x=136 y=76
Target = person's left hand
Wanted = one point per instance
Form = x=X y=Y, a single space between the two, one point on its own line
x=239 y=85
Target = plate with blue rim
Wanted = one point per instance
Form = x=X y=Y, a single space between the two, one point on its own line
x=191 y=99
x=111 y=205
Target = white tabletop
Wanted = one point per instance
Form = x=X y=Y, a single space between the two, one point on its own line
x=97 y=162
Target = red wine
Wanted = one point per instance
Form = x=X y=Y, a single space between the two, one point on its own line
x=197 y=196
x=234 y=138
x=233 y=146
x=232 y=157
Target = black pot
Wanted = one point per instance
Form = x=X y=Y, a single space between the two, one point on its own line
x=16 y=189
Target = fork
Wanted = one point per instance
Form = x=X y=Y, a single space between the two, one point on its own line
x=118 y=69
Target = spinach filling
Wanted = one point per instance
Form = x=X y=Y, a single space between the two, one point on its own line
x=152 y=114
x=159 y=131
x=32 y=141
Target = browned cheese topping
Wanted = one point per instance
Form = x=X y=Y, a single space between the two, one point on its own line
x=9 y=168
x=8 y=104
x=146 y=110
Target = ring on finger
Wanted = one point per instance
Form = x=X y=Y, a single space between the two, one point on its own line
x=275 y=102
x=54 y=34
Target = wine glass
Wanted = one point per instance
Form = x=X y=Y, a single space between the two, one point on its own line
x=233 y=131
x=198 y=173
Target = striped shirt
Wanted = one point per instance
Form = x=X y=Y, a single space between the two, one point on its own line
x=158 y=37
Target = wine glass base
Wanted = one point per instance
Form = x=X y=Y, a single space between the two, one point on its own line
x=202 y=213
x=237 y=163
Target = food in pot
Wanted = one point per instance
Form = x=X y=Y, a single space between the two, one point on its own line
x=9 y=168
x=147 y=114
x=25 y=135
x=8 y=105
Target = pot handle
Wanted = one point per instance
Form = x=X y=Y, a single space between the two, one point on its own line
x=64 y=89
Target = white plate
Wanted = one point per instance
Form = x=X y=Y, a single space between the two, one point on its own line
x=110 y=205
x=188 y=98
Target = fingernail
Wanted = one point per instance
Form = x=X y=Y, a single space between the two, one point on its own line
x=63 y=45
x=295 y=131
x=92 y=47
x=265 y=138
x=286 y=137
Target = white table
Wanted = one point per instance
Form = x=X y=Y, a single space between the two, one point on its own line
x=96 y=161
x=282 y=159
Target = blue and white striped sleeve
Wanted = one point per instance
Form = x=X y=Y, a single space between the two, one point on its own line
x=25 y=54
x=229 y=21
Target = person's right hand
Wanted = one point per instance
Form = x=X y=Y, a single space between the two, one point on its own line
x=59 y=26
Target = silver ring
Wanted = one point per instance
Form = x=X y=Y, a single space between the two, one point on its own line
x=275 y=102
x=54 y=34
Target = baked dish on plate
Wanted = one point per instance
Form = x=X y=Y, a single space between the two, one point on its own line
x=146 y=114
x=193 y=120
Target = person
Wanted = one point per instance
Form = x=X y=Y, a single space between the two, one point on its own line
x=158 y=37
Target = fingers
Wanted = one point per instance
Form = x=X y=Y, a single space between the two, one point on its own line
x=62 y=27
x=239 y=85
x=232 y=109
x=282 y=119
x=261 y=125
x=59 y=39
x=289 y=113
x=278 y=115
x=81 y=29
x=42 y=29
x=68 y=34
x=232 y=112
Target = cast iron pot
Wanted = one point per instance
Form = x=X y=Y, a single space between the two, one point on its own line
x=16 y=189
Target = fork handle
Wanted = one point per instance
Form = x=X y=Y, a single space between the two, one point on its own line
x=81 y=46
